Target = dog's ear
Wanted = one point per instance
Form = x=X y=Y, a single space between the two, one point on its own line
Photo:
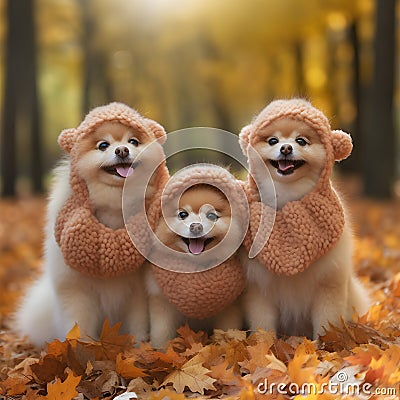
x=157 y=130
x=244 y=139
x=66 y=139
x=342 y=144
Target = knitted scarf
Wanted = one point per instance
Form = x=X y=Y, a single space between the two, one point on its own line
x=187 y=280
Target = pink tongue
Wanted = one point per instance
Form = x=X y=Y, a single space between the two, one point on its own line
x=285 y=165
x=125 y=171
x=196 y=246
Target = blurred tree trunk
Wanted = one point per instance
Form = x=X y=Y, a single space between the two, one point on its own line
x=20 y=103
x=354 y=164
x=380 y=142
x=8 y=134
x=30 y=101
x=97 y=85
x=88 y=54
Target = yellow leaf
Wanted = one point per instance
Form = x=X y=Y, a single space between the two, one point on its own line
x=74 y=333
x=192 y=375
x=274 y=363
x=167 y=394
x=247 y=392
x=63 y=390
x=301 y=368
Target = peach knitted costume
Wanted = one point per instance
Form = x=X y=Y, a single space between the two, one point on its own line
x=87 y=245
x=303 y=230
x=203 y=292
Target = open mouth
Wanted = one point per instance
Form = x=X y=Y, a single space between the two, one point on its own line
x=122 y=170
x=286 y=166
x=197 y=245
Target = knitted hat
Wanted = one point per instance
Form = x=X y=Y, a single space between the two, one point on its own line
x=202 y=285
x=306 y=229
x=87 y=245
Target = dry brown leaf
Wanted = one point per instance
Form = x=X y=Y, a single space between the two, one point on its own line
x=192 y=375
x=235 y=352
x=223 y=374
x=49 y=368
x=261 y=336
x=139 y=386
x=257 y=357
x=222 y=337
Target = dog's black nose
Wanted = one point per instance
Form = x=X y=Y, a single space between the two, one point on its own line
x=122 y=151
x=196 y=228
x=286 y=149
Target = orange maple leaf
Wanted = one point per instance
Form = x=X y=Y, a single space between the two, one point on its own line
x=63 y=390
x=111 y=342
x=170 y=357
x=127 y=369
x=190 y=337
x=14 y=385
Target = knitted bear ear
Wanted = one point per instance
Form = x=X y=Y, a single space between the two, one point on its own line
x=342 y=144
x=157 y=130
x=244 y=138
x=66 y=139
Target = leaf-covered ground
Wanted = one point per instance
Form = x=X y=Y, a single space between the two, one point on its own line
x=231 y=364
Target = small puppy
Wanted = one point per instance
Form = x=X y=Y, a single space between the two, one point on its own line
x=63 y=296
x=304 y=303
x=199 y=224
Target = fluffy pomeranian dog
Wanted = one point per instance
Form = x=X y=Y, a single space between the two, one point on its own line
x=304 y=303
x=200 y=223
x=63 y=296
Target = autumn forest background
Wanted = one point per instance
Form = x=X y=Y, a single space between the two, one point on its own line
x=212 y=63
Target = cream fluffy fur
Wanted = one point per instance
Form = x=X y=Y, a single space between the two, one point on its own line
x=165 y=318
x=62 y=296
x=305 y=303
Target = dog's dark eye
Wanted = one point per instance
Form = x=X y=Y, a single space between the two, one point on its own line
x=133 y=141
x=212 y=216
x=301 y=141
x=102 y=146
x=182 y=214
x=272 y=141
